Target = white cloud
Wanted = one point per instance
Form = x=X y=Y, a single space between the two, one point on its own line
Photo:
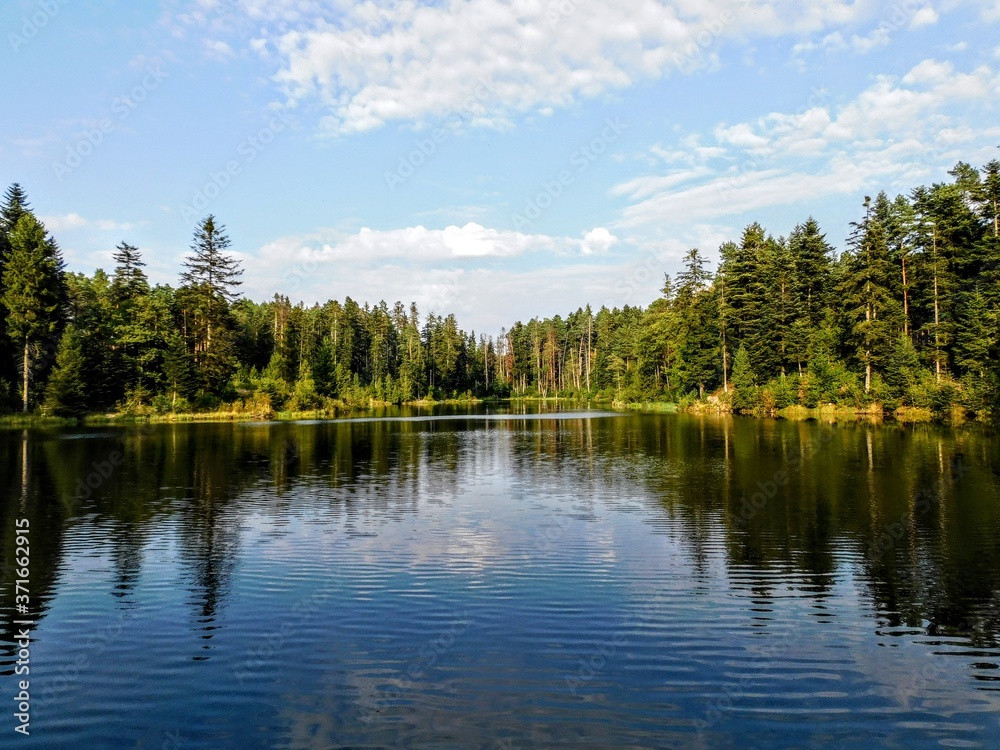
x=74 y=221
x=474 y=271
x=488 y=60
x=598 y=241
x=418 y=245
x=218 y=49
x=929 y=71
x=877 y=39
x=893 y=19
x=897 y=129
x=924 y=17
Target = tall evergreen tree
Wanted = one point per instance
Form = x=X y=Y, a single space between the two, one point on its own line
x=977 y=339
x=209 y=284
x=989 y=248
x=139 y=345
x=946 y=233
x=66 y=394
x=866 y=290
x=34 y=293
x=14 y=206
x=129 y=280
x=813 y=259
x=178 y=370
x=697 y=329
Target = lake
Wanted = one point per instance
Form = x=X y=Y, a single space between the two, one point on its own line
x=505 y=580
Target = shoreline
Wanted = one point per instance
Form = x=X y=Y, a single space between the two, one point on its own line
x=794 y=413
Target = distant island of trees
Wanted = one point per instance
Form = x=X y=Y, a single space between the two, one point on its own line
x=907 y=316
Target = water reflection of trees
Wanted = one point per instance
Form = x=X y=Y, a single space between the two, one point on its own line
x=845 y=486
x=934 y=491
x=23 y=493
x=201 y=483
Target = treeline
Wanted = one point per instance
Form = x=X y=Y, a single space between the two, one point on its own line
x=906 y=316
x=78 y=343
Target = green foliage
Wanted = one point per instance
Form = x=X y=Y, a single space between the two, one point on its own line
x=66 y=394
x=744 y=382
x=304 y=395
x=906 y=317
x=34 y=292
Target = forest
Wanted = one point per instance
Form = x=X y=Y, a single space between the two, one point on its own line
x=905 y=316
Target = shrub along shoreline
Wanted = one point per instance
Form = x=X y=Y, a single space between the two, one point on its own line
x=250 y=411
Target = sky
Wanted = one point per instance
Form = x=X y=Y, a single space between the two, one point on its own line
x=496 y=160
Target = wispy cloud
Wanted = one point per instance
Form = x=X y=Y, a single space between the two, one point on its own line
x=899 y=128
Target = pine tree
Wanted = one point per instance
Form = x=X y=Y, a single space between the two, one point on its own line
x=178 y=370
x=94 y=316
x=977 y=334
x=814 y=270
x=138 y=346
x=14 y=206
x=66 y=392
x=697 y=331
x=902 y=368
x=210 y=268
x=34 y=292
x=989 y=247
x=946 y=230
x=129 y=280
x=209 y=283
x=866 y=290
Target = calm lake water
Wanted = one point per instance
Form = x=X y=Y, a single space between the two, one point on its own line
x=581 y=579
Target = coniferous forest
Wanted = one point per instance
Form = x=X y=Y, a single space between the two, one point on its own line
x=906 y=316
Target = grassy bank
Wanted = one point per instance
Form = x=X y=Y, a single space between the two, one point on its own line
x=246 y=411
x=647 y=407
x=823 y=412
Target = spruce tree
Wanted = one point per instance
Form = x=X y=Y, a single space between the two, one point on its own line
x=814 y=270
x=138 y=345
x=697 y=329
x=14 y=206
x=872 y=312
x=209 y=268
x=178 y=370
x=209 y=281
x=34 y=293
x=902 y=368
x=989 y=246
x=129 y=280
x=66 y=392
x=946 y=232
x=977 y=338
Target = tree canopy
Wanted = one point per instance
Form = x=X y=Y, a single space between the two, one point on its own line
x=906 y=315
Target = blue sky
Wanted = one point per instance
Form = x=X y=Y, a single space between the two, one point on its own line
x=499 y=160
